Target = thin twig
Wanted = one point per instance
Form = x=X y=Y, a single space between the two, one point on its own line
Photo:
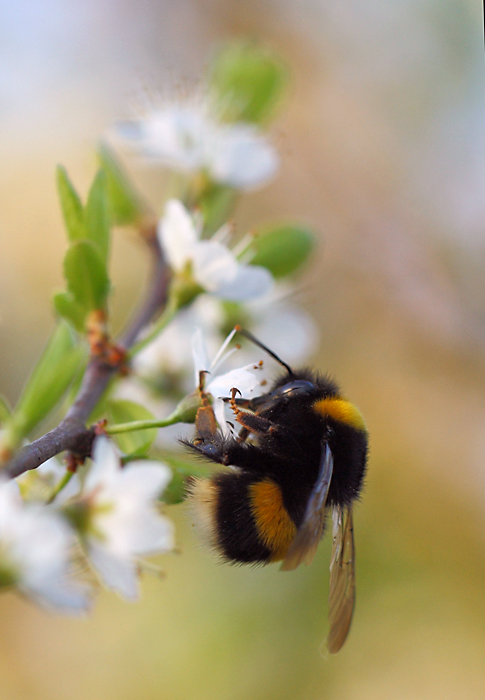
x=72 y=434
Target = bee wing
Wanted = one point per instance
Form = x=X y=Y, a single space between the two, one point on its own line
x=309 y=533
x=342 y=578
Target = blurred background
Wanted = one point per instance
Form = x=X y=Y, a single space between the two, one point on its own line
x=383 y=147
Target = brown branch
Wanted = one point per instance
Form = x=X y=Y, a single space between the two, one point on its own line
x=72 y=434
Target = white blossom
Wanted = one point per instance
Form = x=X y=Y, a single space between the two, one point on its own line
x=185 y=137
x=35 y=552
x=122 y=521
x=212 y=265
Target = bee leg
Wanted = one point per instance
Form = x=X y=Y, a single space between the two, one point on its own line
x=243 y=435
x=251 y=423
x=205 y=420
x=255 y=424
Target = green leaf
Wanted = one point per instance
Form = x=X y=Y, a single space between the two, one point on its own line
x=176 y=490
x=86 y=275
x=49 y=380
x=5 y=409
x=182 y=470
x=68 y=308
x=96 y=215
x=125 y=204
x=216 y=203
x=282 y=249
x=248 y=82
x=72 y=208
x=137 y=442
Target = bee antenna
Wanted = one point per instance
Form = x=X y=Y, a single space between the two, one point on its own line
x=257 y=342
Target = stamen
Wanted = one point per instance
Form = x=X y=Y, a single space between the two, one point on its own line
x=243 y=245
x=217 y=359
x=223 y=234
x=224 y=357
x=247 y=256
x=150 y=568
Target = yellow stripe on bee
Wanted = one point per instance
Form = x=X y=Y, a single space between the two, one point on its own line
x=275 y=528
x=342 y=411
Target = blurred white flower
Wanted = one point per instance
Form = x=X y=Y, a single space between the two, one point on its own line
x=279 y=323
x=35 y=550
x=119 y=520
x=186 y=137
x=212 y=265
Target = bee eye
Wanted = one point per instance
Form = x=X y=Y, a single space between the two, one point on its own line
x=299 y=387
x=282 y=394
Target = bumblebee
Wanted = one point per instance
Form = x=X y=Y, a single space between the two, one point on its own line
x=301 y=451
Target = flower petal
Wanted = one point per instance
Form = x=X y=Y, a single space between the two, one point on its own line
x=250 y=281
x=177 y=234
x=105 y=466
x=118 y=573
x=172 y=136
x=213 y=265
x=199 y=354
x=141 y=532
x=64 y=593
x=243 y=158
x=242 y=379
x=144 y=480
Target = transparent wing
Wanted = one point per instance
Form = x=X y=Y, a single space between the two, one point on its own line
x=309 y=534
x=342 y=578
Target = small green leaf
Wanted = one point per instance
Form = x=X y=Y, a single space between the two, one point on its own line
x=182 y=470
x=68 y=308
x=125 y=204
x=86 y=275
x=5 y=409
x=137 y=442
x=49 y=380
x=215 y=203
x=176 y=490
x=248 y=82
x=96 y=215
x=282 y=249
x=72 y=208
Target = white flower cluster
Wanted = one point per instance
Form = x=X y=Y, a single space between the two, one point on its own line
x=226 y=275
x=108 y=523
x=186 y=136
x=267 y=309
